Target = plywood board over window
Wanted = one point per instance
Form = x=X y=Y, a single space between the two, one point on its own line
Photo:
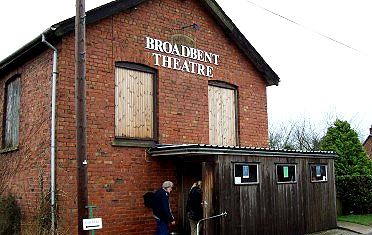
x=222 y=115
x=11 y=130
x=134 y=104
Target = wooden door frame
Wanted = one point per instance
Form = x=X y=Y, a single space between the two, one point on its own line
x=209 y=202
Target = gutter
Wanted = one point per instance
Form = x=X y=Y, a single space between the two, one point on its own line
x=199 y=150
x=52 y=137
x=25 y=49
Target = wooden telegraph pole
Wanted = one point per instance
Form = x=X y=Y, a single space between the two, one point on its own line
x=80 y=108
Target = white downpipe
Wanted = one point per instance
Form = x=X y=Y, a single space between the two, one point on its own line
x=52 y=135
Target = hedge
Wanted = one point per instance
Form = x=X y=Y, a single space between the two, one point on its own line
x=355 y=193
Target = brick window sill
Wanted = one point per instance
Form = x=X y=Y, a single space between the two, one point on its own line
x=133 y=143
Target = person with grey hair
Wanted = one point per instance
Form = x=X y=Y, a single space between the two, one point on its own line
x=161 y=208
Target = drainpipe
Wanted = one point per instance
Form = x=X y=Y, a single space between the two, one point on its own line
x=52 y=136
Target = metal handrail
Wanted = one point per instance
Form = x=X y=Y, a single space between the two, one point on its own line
x=215 y=216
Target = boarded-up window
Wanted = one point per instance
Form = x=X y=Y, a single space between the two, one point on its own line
x=222 y=115
x=134 y=104
x=11 y=128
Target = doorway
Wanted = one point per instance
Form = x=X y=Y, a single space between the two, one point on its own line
x=189 y=173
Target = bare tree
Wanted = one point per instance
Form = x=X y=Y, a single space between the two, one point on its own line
x=298 y=134
x=305 y=134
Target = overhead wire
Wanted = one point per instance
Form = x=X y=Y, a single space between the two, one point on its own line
x=294 y=22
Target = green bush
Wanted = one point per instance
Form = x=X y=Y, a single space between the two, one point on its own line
x=10 y=216
x=355 y=192
x=352 y=159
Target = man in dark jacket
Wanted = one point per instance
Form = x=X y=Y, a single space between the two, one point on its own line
x=161 y=208
x=194 y=207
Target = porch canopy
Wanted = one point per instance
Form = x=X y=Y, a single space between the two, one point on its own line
x=182 y=150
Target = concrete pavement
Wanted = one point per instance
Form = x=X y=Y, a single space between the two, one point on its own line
x=358 y=228
x=346 y=228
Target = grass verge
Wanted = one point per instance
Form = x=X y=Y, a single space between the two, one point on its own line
x=358 y=219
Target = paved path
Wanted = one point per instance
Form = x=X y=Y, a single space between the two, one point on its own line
x=346 y=228
x=335 y=232
x=361 y=229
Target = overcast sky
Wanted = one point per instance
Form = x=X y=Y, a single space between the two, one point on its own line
x=321 y=50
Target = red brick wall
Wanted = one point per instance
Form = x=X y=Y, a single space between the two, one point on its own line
x=368 y=146
x=21 y=169
x=119 y=176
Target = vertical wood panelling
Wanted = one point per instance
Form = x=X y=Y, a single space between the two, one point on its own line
x=222 y=116
x=270 y=208
x=133 y=104
x=12 y=113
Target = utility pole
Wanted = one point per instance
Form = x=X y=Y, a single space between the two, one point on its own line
x=80 y=108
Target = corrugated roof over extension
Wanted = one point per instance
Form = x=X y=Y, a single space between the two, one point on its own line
x=60 y=29
x=205 y=149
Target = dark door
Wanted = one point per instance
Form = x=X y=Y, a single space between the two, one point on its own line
x=191 y=172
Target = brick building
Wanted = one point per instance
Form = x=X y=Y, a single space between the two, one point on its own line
x=367 y=144
x=170 y=84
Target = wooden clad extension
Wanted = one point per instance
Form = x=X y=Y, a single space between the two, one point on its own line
x=133 y=104
x=300 y=201
x=269 y=207
x=222 y=116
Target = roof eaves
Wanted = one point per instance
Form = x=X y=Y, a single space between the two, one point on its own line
x=368 y=137
x=203 y=149
x=11 y=58
x=33 y=45
x=68 y=25
x=229 y=27
x=111 y=8
x=97 y=14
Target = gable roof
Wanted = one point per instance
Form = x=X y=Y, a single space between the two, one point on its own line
x=60 y=29
x=369 y=138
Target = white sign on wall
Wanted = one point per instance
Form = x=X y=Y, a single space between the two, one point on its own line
x=91 y=224
x=182 y=58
